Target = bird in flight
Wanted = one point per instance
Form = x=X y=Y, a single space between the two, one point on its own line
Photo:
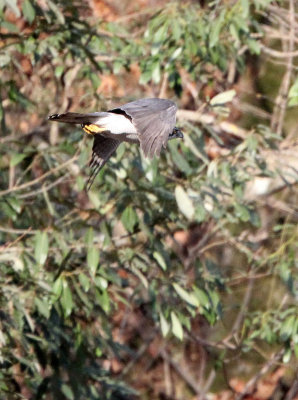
x=149 y=122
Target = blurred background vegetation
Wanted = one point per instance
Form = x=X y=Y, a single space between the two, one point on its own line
x=172 y=279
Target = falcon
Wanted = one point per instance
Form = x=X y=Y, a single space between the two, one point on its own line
x=149 y=122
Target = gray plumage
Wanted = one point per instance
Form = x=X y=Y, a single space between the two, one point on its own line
x=150 y=122
x=154 y=120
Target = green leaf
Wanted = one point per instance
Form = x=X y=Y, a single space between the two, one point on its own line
x=43 y=307
x=17 y=158
x=215 y=31
x=296 y=350
x=56 y=11
x=200 y=213
x=101 y=282
x=57 y=287
x=9 y=26
x=67 y=391
x=12 y=4
x=129 y=218
x=41 y=247
x=158 y=39
x=145 y=76
x=4 y=59
x=235 y=32
x=66 y=299
x=201 y=296
x=15 y=204
x=98 y=352
x=156 y=73
x=93 y=259
x=176 y=326
x=95 y=79
x=104 y=300
x=178 y=158
x=223 y=98
x=59 y=71
x=287 y=356
x=48 y=202
x=8 y=211
x=16 y=96
x=176 y=30
x=188 y=297
x=160 y=34
x=89 y=237
x=254 y=46
x=84 y=281
x=176 y=54
x=160 y=260
x=242 y=212
x=117 y=66
x=139 y=274
x=245 y=8
x=184 y=203
x=293 y=94
x=288 y=327
x=28 y=11
x=164 y=325
x=293 y=102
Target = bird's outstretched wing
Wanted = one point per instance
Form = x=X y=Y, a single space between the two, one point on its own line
x=154 y=120
x=102 y=150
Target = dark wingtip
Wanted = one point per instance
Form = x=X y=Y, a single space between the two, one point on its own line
x=53 y=117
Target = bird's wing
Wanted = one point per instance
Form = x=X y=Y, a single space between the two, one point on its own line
x=154 y=120
x=102 y=150
x=78 y=118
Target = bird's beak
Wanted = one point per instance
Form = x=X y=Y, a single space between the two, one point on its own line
x=179 y=133
x=176 y=134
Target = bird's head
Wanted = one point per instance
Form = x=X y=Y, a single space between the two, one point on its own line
x=176 y=133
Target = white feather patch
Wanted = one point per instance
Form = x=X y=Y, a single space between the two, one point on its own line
x=116 y=124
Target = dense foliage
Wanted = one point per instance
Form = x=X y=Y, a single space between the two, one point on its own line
x=189 y=257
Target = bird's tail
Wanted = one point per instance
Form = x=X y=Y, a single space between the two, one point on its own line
x=77 y=118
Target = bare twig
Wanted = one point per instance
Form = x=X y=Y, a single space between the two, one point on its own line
x=28 y=231
x=41 y=178
x=279 y=54
x=33 y=193
x=279 y=11
x=244 y=307
x=278 y=205
x=209 y=380
x=137 y=356
x=282 y=98
x=137 y=14
x=239 y=280
x=39 y=130
x=252 y=109
x=185 y=375
x=18 y=239
x=164 y=85
x=208 y=343
x=272 y=33
x=292 y=393
x=168 y=380
x=251 y=384
x=209 y=119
